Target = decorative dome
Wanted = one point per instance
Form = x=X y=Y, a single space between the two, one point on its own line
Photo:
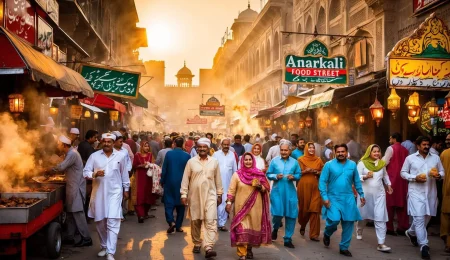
x=248 y=14
x=185 y=71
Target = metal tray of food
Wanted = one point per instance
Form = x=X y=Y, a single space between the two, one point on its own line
x=49 y=197
x=18 y=215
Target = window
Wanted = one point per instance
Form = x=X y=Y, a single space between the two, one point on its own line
x=335 y=9
x=321 y=21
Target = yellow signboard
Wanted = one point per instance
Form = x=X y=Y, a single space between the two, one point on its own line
x=423 y=58
x=419 y=72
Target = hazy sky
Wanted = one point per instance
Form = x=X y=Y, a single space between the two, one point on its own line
x=188 y=30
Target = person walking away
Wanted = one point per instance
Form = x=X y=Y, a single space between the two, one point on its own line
x=284 y=171
x=155 y=147
x=445 y=210
x=354 y=149
x=172 y=175
x=267 y=145
x=237 y=146
x=201 y=191
x=136 y=141
x=227 y=165
x=299 y=151
x=162 y=154
x=373 y=175
x=111 y=182
x=396 y=202
x=128 y=141
x=422 y=169
x=309 y=201
x=249 y=191
x=274 y=151
x=75 y=192
x=335 y=186
x=144 y=197
x=247 y=145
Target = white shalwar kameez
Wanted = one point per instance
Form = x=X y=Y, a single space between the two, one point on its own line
x=227 y=165
x=422 y=197
x=375 y=195
x=107 y=193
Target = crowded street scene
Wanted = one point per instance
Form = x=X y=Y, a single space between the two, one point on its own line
x=237 y=129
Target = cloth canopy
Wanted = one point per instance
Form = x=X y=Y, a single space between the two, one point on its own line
x=93 y=108
x=102 y=101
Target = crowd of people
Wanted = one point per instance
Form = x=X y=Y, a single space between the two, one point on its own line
x=253 y=189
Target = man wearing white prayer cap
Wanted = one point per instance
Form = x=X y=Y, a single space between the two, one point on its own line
x=201 y=192
x=125 y=146
x=75 y=192
x=328 y=151
x=74 y=135
x=111 y=182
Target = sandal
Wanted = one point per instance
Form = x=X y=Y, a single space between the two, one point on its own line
x=196 y=249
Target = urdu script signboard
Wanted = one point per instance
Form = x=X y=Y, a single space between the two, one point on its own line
x=111 y=81
x=315 y=67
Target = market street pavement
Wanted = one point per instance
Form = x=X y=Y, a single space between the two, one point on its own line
x=150 y=241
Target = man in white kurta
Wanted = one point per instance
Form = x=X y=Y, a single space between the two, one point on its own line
x=108 y=169
x=228 y=166
x=201 y=191
x=422 y=192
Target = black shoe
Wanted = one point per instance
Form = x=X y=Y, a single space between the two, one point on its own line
x=392 y=233
x=370 y=224
x=289 y=244
x=171 y=229
x=274 y=234
x=412 y=239
x=326 y=240
x=210 y=253
x=400 y=232
x=345 y=252
x=425 y=252
x=84 y=242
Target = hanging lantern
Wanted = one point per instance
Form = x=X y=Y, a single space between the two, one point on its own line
x=16 y=103
x=413 y=120
x=308 y=121
x=87 y=114
x=414 y=112
x=377 y=111
x=323 y=121
x=76 y=111
x=413 y=105
x=290 y=124
x=393 y=102
x=274 y=122
x=433 y=108
x=301 y=123
x=360 y=118
x=95 y=116
x=334 y=119
x=267 y=122
x=283 y=127
x=114 y=115
x=53 y=111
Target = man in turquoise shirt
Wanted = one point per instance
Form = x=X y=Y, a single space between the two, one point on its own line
x=298 y=152
x=335 y=186
x=284 y=171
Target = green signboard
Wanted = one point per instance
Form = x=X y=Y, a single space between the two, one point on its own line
x=315 y=67
x=112 y=82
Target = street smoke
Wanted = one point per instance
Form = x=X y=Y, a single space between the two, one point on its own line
x=17 y=147
x=337 y=132
x=245 y=125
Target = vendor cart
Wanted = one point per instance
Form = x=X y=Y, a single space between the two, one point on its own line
x=19 y=224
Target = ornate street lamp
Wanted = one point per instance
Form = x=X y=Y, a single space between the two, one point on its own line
x=53 y=111
x=433 y=108
x=360 y=117
x=413 y=105
x=290 y=124
x=16 y=103
x=393 y=102
x=283 y=127
x=377 y=111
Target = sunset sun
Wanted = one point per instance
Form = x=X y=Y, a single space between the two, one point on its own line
x=160 y=37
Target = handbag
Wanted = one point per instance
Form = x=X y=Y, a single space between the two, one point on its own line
x=155 y=172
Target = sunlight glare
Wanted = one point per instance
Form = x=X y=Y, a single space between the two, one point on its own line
x=160 y=37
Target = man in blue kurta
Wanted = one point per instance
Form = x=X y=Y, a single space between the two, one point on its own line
x=172 y=175
x=298 y=152
x=284 y=171
x=335 y=186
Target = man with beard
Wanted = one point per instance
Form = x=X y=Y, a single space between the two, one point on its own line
x=396 y=202
x=172 y=174
x=335 y=186
x=445 y=210
x=422 y=169
x=294 y=141
x=299 y=150
x=201 y=191
x=228 y=166
x=284 y=171
x=193 y=152
x=111 y=182
x=75 y=192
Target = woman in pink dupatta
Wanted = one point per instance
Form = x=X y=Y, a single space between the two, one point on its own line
x=249 y=191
